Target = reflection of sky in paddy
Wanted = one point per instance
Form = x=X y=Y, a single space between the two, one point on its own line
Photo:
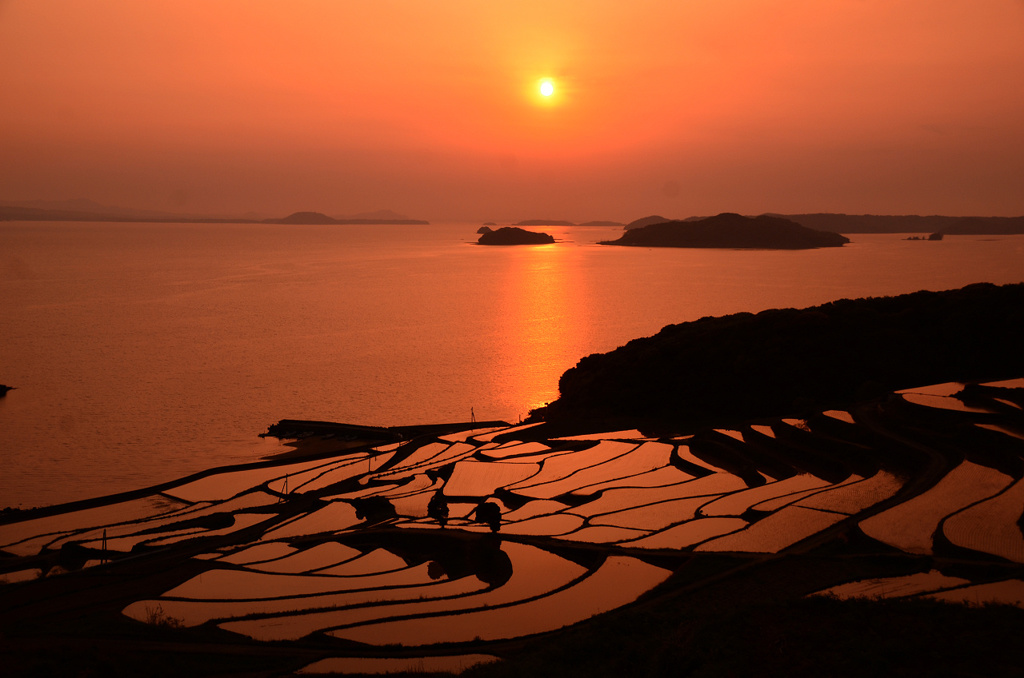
x=940 y=402
x=840 y=415
x=775 y=532
x=481 y=479
x=335 y=516
x=516 y=449
x=853 y=494
x=544 y=485
x=534 y=572
x=631 y=461
x=424 y=458
x=652 y=516
x=736 y=503
x=318 y=567
x=991 y=526
x=550 y=525
x=316 y=557
x=221 y=486
x=350 y=469
x=689 y=533
x=706 y=488
x=194 y=612
x=34 y=530
x=618 y=581
x=1008 y=592
x=909 y=526
x=895 y=587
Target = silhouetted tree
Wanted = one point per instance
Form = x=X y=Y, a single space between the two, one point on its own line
x=437 y=508
x=489 y=514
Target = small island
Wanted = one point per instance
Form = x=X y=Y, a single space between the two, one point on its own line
x=647 y=221
x=316 y=218
x=732 y=231
x=510 y=235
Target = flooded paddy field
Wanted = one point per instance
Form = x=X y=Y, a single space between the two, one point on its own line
x=461 y=547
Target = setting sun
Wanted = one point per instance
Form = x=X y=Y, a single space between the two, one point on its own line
x=547 y=88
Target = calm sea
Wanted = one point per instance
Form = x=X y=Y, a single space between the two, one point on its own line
x=144 y=352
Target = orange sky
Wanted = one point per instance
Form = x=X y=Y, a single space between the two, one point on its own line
x=430 y=108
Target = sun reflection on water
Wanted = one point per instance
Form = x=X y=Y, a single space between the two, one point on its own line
x=545 y=312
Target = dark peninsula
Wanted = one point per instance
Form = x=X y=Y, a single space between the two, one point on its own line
x=782 y=362
x=732 y=231
x=510 y=235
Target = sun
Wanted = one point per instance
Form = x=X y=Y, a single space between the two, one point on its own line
x=547 y=87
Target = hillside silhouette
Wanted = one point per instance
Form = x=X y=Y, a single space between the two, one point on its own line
x=782 y=362
x=729 y=230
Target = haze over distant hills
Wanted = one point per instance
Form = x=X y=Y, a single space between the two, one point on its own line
x=383 y=217
x=82 y=209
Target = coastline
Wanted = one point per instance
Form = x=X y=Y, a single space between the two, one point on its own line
x=520 y=542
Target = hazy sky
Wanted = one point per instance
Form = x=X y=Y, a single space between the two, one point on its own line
x=432 y=107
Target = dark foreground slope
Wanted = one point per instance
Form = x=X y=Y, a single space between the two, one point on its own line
x=781 y=362
x=730 y=231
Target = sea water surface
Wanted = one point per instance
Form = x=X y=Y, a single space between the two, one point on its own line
x=144 y=352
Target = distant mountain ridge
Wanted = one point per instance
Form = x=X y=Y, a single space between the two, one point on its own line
x=82 y=209
x=314 y=218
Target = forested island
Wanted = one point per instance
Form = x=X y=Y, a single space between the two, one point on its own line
x=511 y=235
x=729 y=230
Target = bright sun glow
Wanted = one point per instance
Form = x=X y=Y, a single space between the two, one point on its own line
x=547 y=88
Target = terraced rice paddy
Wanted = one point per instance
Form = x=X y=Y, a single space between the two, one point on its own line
x=395 y=545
